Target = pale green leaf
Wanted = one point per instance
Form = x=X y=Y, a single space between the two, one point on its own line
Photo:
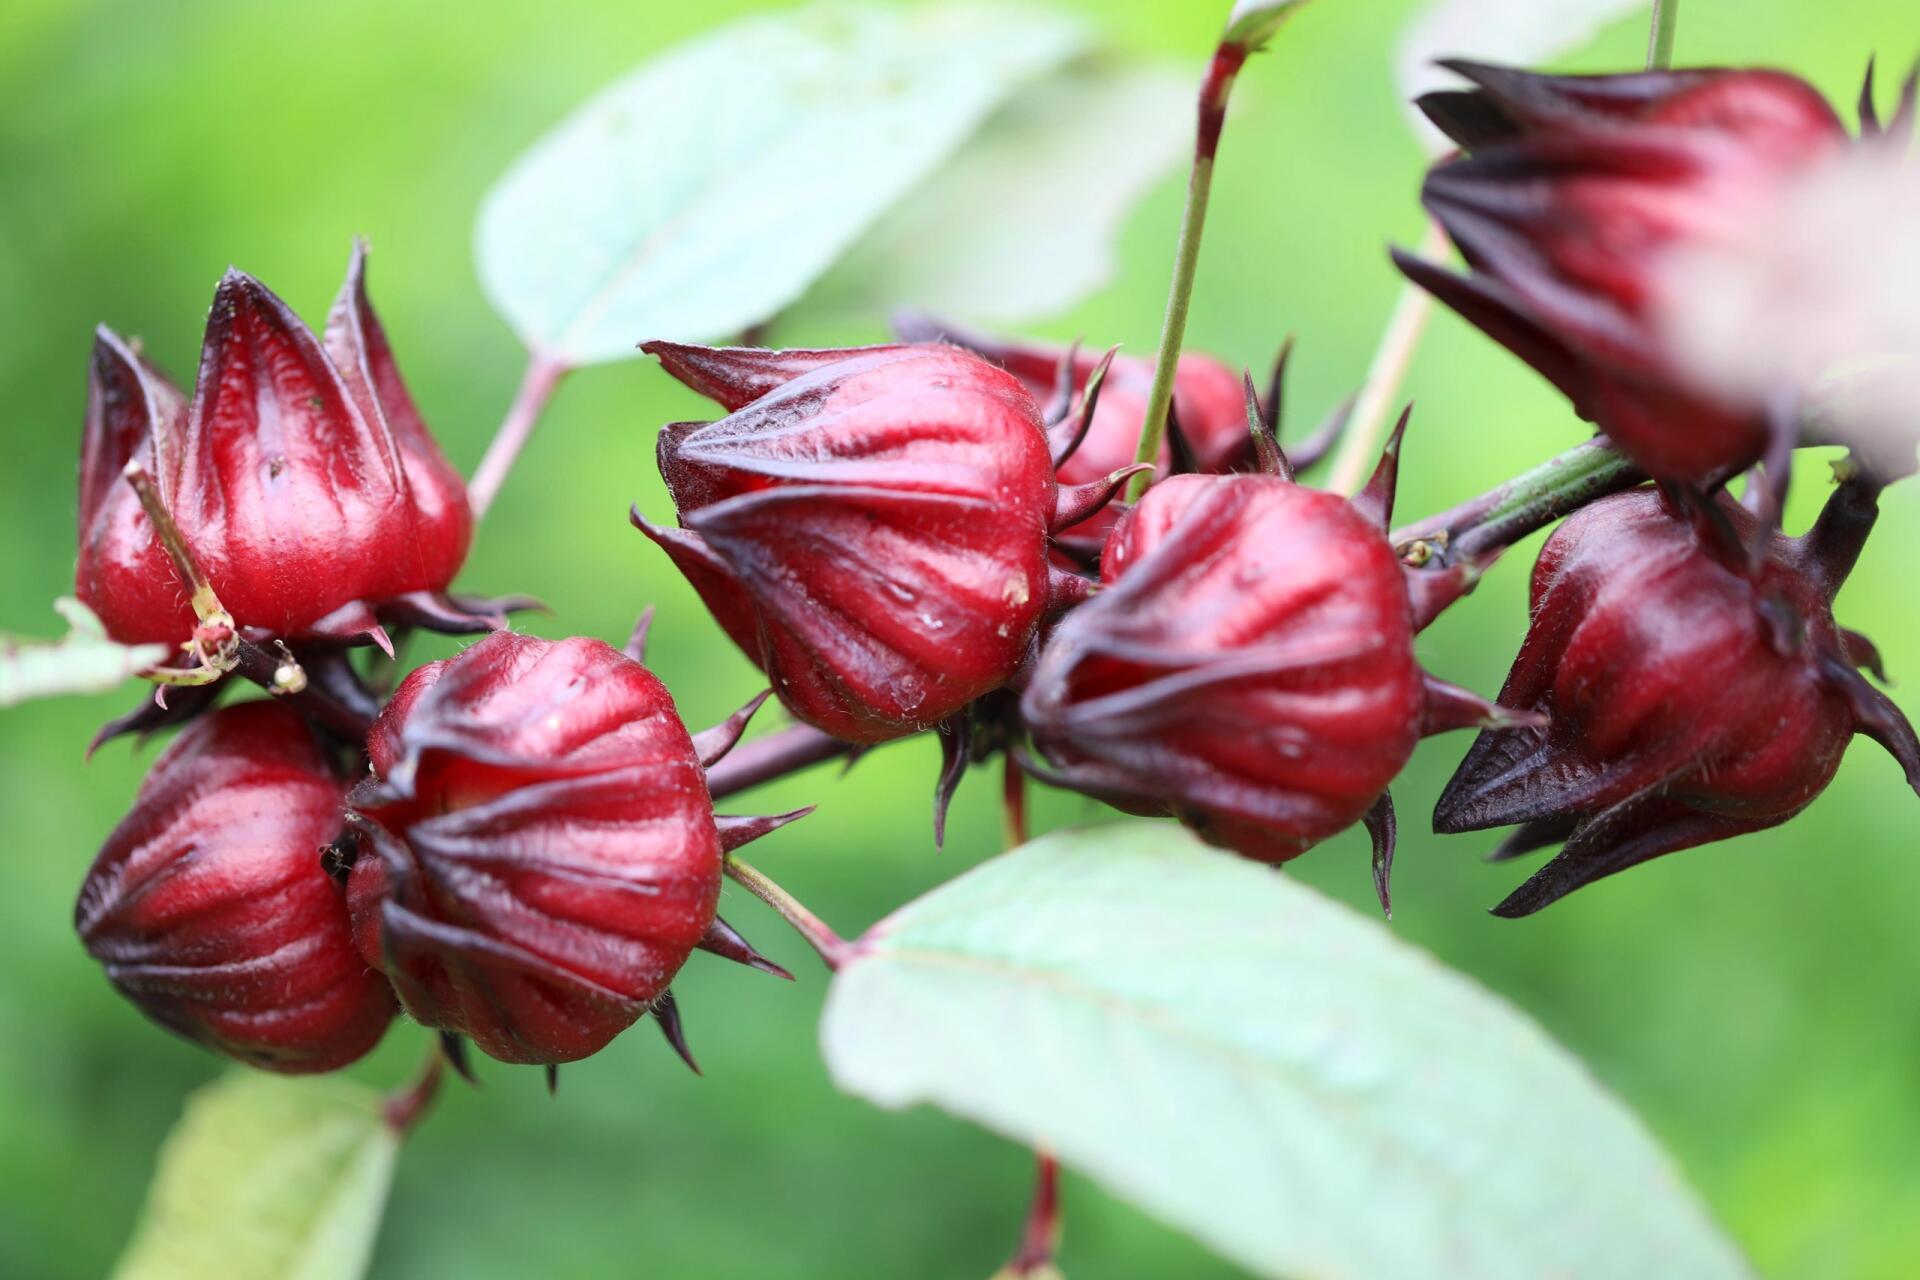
x=1021 y=224
x=1260 y=1066
x=267 y=1178
x=707 y=190
x=83 y=661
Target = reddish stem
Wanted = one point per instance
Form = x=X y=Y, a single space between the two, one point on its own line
x=405 y=1108
x=1013 y=801
x=1040 y=1239
x=774 y=756
x=523 y=415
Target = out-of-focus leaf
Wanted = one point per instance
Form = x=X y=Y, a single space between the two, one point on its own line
x=1526 y=33
x=1021 y=223
x=83 y=661
x=709 y=188
x=1260 y=1066
x=267 y=1178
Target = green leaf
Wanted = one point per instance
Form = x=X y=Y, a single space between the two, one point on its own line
x=1259 y=1065
x=84 y=661
x=705 y=191
x=267 y=1178
x=1021 y=224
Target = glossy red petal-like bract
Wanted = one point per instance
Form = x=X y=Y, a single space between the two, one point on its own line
x=1690 y=695
x=301 y=475
x=1248 y=665
x=539 y=854
x=1575 y=191
x=872 y=532
x=210 y=908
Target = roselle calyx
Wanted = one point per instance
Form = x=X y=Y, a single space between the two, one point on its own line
x=536 y=854
x=1248 y=665
x=210 y=909
x=1207 y=432
x=1574 y=191
x=1690 y=696
x=870 y=526
x=300 y=475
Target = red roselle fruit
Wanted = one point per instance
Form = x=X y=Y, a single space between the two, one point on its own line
x=301 y=476
x=870 y=526
x=209 y=906
x=1248 y=665
x=1690 y=700
x=1573 y=192
x=536 y=852
x=1208 y=427
x=1208 y=405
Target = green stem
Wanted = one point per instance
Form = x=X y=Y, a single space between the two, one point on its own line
x=1666 y=16
x=1509 y=512
x=1214 y=91
x=832 y=947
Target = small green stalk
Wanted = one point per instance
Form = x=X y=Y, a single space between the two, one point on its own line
x=1666 y=16
x=1221 y=73
x=1250 y=25
x=1508 y=512
x=831 y=947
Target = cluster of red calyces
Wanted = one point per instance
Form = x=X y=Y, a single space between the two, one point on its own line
x=903 y=539
x=532 y=854
x=1572 y=191
x=1688 y=696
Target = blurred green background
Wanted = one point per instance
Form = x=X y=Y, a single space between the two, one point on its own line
x=1752 y=1000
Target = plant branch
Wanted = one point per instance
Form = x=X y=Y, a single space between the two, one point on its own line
x=1040 y=1238
x=1228 y=58
x=1666 y=16
x=1013 y=801
x=831 y=947
x=1508 y=512
x=1374 y=408
x=404 y=1108
x=774 y=756
x=523 y=415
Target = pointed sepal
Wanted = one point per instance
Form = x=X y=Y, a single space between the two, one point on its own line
x=734 y=377
x=454 y=1049
x=1375 y=502
x=956 y=752
x=1449 y=707
x=1383 y=829
x=666 y=1012
x=712 y=745
x=1071 y=431
x=723 y=940
x=1876 y=716
x=1268 y=457
x=738 y=831
x=1078 y=502
x=636 y=645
